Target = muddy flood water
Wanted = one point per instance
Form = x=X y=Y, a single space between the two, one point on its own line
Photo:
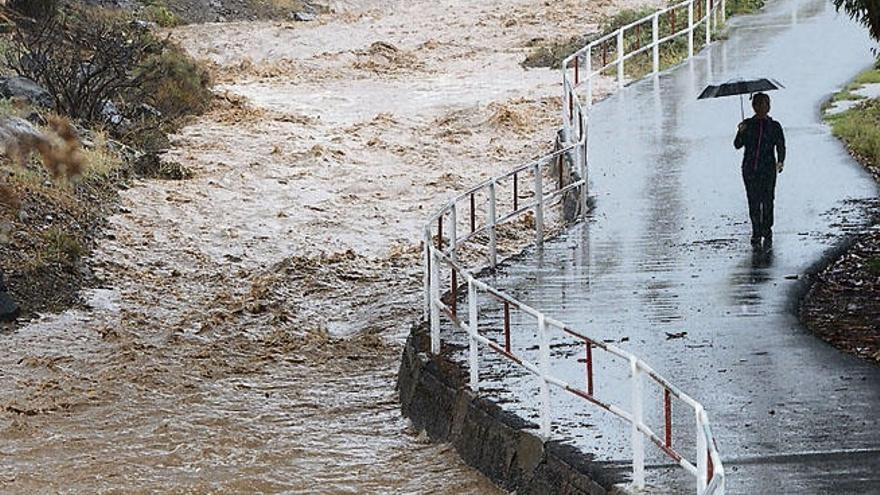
x=246 y=335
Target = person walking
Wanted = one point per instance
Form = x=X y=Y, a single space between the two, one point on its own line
x=763 y=158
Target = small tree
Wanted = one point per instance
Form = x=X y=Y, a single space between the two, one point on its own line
x=83 y=59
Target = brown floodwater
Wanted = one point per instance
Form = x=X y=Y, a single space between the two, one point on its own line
x=246 y=334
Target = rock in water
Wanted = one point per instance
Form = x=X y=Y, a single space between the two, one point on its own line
x=9 y=311
x=303 y=16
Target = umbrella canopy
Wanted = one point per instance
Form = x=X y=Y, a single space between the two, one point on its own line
x=740 y=87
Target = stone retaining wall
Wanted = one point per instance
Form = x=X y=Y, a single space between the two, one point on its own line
x=435 y=397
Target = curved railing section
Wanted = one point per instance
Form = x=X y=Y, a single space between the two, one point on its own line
x=467 y=239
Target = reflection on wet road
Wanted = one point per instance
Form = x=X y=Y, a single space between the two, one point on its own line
x=664 y=268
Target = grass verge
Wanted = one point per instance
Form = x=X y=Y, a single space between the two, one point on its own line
x=859 y=126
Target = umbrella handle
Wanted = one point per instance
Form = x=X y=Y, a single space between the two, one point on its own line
x=742 y=112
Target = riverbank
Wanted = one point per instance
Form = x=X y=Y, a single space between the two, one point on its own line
x=70 y=144
x=843 y=305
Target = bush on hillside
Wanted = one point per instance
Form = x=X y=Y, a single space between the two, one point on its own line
x=102 y=66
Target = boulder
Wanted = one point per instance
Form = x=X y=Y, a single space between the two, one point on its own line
x=111 y=116
x=9 y=311
x=303 y=16
x=22 y=87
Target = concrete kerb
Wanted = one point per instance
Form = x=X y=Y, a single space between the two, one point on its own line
x=435 y=397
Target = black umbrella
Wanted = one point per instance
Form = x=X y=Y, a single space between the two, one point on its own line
x=740 y=87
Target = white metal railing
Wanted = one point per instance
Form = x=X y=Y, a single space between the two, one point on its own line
x=478 y=210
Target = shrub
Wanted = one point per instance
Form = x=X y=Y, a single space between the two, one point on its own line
x=89 y=58
x=174 y=83
x=735 y=7
x=83 y=59
x=552 y=53
x=161 y=15
x=61 y=247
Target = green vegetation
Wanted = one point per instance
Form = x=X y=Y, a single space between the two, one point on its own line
x=156 y=11
x=739 y=7
x=174 y=83
x=859 y=126
x=869 y=76
x=873 y=266
x=552 y=53
x=61 y=247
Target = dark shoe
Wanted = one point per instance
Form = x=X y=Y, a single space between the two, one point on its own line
x=768 y=242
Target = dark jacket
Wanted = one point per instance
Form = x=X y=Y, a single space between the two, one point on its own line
x=760 y=137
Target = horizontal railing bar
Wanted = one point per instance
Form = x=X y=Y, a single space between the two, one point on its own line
x=516 y=212
x=452 y=319
x=638 y=51
x=500 y=350
x=672 y=36
x=607 y=406
x=522 y=362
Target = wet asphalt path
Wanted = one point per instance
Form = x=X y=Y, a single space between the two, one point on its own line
x=667 y=251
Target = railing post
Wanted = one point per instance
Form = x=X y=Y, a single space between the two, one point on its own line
x=620 y=49
x=585 y=188
x=493 y=243
x=473 y=349
x=588 y=74
x=583 y=166
x=702 y=454
x=714 y=15
x=435 y=296
x=691 y=28
x=539 y=205
x=708 y=22
x=655 y=36
x=544 y=365
x=638 y=441
x=453 y=239
x=566 y=98
x=427 y=274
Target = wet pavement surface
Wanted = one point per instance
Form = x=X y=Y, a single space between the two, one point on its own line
x=664 y=269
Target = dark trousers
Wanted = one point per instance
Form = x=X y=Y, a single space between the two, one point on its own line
x=760 y=191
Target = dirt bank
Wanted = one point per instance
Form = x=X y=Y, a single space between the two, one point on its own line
x=247 y=334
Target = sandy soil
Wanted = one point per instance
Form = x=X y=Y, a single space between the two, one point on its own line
x=247 y=335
